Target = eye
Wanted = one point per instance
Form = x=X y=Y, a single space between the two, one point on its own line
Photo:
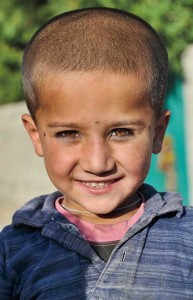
x=68 y=134
x=121 y=133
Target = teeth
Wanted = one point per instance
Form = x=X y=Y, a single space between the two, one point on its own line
x=96 y=184
x=101 y=184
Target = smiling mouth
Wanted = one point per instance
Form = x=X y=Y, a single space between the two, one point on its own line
x=98 y=185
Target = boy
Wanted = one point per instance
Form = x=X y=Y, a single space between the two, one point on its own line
x=95 y=81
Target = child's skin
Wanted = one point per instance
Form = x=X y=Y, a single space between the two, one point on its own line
x=96 y=131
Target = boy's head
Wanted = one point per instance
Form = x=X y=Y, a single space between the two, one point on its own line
x=95 y=39
x=95 y=82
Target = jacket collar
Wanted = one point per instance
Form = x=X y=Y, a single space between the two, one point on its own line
x=161 y=203
x=37 y=211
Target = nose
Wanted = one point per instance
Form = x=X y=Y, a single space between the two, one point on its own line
x=96 y=157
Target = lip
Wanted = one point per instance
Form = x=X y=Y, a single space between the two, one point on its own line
x=98 y=187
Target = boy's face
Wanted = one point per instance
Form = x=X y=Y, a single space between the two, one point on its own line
x=96 y=137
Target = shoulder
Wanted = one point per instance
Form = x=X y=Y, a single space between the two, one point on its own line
x=187 y=217
x=175 y=228
x=168 y=209
x=37 y=211
x=19 y=240
x=25 y=230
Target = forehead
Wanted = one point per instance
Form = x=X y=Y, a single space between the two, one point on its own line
x=84 y=83
x=94 y=92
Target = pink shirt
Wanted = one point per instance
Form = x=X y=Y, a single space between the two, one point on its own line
x=100 y=232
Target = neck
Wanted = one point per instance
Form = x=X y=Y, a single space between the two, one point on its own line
x=122 y=213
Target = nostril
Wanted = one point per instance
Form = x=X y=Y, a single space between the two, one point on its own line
x=104 y=173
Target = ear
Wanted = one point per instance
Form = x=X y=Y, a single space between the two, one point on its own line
x=32 y=130
x=160 y=130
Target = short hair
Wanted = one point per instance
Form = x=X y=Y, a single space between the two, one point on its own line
x=94 y=39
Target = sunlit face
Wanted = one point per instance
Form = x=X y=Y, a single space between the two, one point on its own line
x=96 y=137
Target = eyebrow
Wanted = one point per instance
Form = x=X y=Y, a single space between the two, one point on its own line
x=129 y=123
x=63 y=124
x=139 y=123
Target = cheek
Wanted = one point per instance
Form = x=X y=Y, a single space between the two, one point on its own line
x=58 y=161
x=137 y=160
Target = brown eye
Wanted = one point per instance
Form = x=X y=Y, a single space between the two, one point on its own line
x=122 y=133
x=67 y=134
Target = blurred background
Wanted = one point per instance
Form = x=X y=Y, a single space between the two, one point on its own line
x=22 y=174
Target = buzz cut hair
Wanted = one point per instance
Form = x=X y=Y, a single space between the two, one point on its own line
x=96 y=39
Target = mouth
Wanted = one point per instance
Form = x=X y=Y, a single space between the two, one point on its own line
x=95 y=184
x=98 y=187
